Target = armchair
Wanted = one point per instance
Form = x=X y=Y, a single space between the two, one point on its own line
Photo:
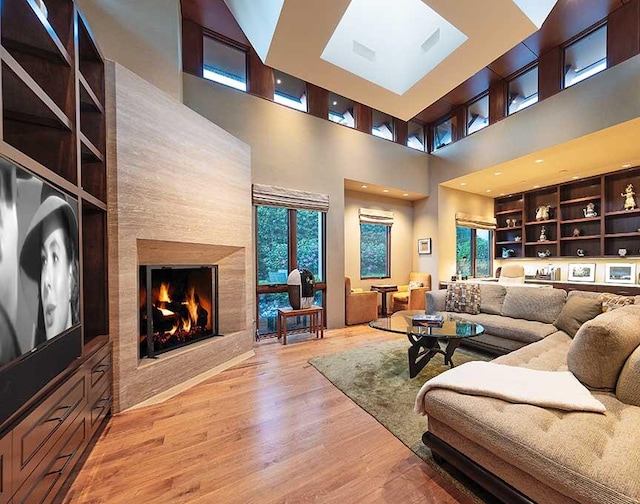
x=511 y=274
x=412 y=295
x=360 y=306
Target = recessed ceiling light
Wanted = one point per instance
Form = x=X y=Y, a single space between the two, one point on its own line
x=463 y=183
x=626 y=165
x=498 y=173
x=575 y=177
x=406 y=194
x=536 y=186
x=363 y=186
x=501 y=194
x=335 y=103
x=278 y=81
x=539 y=160
x=385 y=190
x=488 y=190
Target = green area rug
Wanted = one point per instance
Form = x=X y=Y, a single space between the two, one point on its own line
x=376 y=378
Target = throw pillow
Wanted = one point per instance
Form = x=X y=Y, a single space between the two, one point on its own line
x=613 y=301
x=415 y=285
x=463 y=298
x=602 y=345
x=575 y=312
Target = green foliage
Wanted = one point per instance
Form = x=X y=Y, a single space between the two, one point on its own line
x=374 y=244
x=464 y=259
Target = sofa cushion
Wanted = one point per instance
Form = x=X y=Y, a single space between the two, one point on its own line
x=533 y=303
x=527 y=331
x=463 y=298
x=415 y=285
x=614 y=301
x=576 y=311
x=628 y=386
x=602 y=345
x=491 y=298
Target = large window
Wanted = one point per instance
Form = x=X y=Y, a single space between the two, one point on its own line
x=478 y=114
x=443 y=133
x=585 y=57
x=382 y=125
x=473 y=252
x=287 y=239
x=341 y=110
x=224 y=63
x=375 y=250
x=415 y=136
x=523 y=90
x=290 y=91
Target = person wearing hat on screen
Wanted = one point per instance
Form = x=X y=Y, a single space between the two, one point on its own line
x=49 y=257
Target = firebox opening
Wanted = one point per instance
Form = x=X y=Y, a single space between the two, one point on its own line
x=178 y=306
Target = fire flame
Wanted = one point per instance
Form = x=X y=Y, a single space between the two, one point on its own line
x=163 y=295
x=183 y=323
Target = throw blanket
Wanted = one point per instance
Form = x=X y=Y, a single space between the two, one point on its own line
x=549 y=389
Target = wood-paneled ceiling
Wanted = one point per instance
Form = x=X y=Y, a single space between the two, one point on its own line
x=567 y=19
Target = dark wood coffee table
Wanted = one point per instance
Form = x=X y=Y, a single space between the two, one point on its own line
x=427 y=341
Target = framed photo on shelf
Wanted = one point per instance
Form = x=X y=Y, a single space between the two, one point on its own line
x=424 y=246
x=620 y=273
x=582 y=272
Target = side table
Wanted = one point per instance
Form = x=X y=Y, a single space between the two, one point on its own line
x=383 y=289
x=316 y=320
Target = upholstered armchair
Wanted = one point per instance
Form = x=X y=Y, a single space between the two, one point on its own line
x=511 y=274
x=360 y=306
x=412 y=295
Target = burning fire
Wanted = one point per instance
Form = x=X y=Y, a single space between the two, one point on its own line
x=184 y=323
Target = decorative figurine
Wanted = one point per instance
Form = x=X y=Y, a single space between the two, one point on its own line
x=622 y=252
x=517 y=238
x=508 y=223
x=543 y=234
x=590 y=211
x=543 y=212
x=506 y=253
x=544 y=253
x=576 y=232
x=580 y=253
x=629 y=200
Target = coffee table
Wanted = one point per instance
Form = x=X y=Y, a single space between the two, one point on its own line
x=427 y=341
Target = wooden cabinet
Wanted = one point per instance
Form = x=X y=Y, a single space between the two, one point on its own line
x=587 y=219
x=52 y=102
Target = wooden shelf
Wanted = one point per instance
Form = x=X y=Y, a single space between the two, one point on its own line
x=533 y=223
x=513 y=242
x=89 y=151
x=517 y=228
x=580 y=200
x=582 y=219
x=548 y=242
x=574 y=238
x=88 y=99
x=101 y=205
x=513 y=211
x=622 y=235
x=622 y=212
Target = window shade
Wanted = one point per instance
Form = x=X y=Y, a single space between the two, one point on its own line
x=289 y=198
x=475 y=221
x=373 y=216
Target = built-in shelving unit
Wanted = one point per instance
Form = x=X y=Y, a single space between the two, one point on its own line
x=569 y=228
x=53 y=123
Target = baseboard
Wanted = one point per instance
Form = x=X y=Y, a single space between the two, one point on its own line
x=177 y=389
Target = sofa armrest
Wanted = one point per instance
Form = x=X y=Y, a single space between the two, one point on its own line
x=435 y=301
x=417 y=298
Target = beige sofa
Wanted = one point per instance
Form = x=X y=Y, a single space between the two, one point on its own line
x=525 y=453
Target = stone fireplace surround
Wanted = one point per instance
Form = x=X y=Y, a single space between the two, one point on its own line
x=179 y=192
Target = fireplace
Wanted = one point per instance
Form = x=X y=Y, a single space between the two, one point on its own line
x=178 y=306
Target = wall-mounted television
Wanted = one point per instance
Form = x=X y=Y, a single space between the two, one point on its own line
x=40 y=332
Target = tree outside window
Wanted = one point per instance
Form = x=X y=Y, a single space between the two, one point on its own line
x=473 y=252
x=375 y=246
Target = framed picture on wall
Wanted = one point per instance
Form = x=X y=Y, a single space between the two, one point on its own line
x=620 y=273
x=582 y=272
x=424 y=246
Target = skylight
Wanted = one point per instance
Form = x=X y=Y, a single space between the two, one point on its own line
x=392 y=44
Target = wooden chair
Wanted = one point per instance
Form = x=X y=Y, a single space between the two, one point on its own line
x=360 y=306
x=412 y=295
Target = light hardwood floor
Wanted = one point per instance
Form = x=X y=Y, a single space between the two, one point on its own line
x=270 y=430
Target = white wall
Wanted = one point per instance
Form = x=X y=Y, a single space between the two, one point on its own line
x=142 y=35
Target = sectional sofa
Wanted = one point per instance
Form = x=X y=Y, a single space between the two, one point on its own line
x=525 y=453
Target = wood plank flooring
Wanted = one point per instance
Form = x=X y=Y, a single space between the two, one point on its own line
x=270 y=430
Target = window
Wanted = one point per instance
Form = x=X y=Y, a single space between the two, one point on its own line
x=375 y=247
x=286 y=239
x=415 y=136
x=224 y=63
x=586 y=57
x=523 y=91
x=443 y=133
x=290 y=91
x=478 y=114
x=341 y=110
x=473 y=252
x=382 y=125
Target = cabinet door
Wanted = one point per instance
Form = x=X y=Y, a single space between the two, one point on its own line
x=6 y=486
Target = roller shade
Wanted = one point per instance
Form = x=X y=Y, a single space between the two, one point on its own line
x=373 y=216
x=475 y=221
x=289 y=198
